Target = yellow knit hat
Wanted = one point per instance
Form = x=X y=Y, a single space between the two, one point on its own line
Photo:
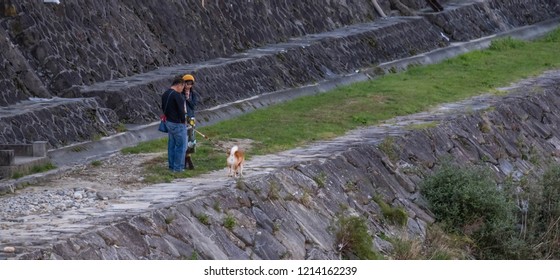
x=188 y=77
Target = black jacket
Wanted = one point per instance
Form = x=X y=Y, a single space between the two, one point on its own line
x=172 y=105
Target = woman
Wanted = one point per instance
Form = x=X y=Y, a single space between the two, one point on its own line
x=190 y=105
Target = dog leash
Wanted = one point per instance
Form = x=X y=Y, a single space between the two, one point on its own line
x=205 y=137
x=209 y=140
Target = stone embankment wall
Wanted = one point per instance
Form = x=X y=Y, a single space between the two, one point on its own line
x=289 y=214
x=299 y=62
x=59 y=121
x=76 y=49
x=50 y=50
x=463 y=22
x=81 y=42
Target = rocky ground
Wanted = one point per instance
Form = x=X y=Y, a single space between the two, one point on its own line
x=84 y=186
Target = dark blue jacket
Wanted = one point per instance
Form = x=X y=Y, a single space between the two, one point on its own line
x=191 y=104
x=175 y=109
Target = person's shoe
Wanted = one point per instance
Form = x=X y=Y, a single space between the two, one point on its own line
x=189 y=164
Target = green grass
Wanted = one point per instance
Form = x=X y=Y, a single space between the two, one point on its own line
x=35 y=169
x=203 y=218
x=297 y=122
x=229 y=222
x=353 y=239
x=394 y=215
x=43 y=168
x=206 y=158
x=158 y=145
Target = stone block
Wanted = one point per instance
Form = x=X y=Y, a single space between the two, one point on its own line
x=39 y=149
x=7 y=157
x=5 y=172
x=19 y=149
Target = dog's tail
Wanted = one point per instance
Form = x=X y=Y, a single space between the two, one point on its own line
x=233 y=150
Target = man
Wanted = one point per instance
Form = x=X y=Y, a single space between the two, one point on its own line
x=191 y=99
x=173 y=106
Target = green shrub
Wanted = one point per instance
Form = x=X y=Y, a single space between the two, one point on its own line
x=35 y=169
x=543 y=216
x=169 y=219
x=468 y=203
x=406 y=249
x=353 y=240
x=274 y=191
x=203 y=218
x=320 y=179
x=217 y=206
x=120 y=127
x=17 y=175
x=551 y=193
x=465 y=200
x=387 y=147
x=395 y=215
x=229 y=222
x=461 y=198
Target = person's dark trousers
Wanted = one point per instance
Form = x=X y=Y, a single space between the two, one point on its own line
x=190 y=140
x=188 y=162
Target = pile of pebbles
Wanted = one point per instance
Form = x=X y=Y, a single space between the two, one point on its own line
x=51 y=201
x=86 y=186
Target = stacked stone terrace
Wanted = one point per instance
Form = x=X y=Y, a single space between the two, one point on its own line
x=110 y=62
x=95 y=103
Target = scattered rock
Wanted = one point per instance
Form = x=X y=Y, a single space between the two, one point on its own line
x=78 y=195
x=382 y=245
x=105 y=195
x=9 y=250
x=80 y=188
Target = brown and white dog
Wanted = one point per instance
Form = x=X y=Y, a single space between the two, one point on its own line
x=235 y=161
